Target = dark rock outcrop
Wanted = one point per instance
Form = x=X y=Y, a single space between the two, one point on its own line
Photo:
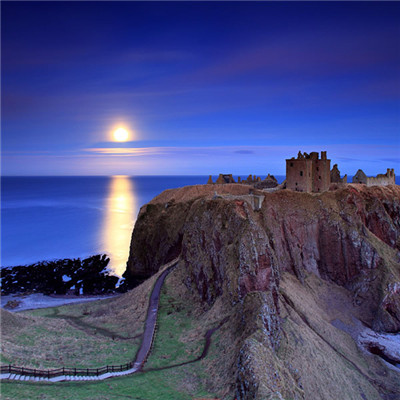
x=88 y=276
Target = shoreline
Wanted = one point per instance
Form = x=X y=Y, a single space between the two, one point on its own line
x=36 y=301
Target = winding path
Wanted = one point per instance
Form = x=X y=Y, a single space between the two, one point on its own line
x=145 y=347
x=151 y=318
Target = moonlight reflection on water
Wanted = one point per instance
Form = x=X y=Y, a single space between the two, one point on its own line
x=118 y=221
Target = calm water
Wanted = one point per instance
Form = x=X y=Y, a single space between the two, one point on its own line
x=66 y=217
x=47 y=218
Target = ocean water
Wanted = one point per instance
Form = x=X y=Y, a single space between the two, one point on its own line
x=46 y=218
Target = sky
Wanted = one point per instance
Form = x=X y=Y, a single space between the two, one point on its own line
x=201 y=87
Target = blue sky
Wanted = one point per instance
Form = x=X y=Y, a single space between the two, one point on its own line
x=203 y=87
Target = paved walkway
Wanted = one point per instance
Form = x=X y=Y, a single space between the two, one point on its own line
x=69 y=377
x=143 y=352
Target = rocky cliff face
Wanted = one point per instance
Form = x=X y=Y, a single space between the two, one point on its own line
x=344 y=241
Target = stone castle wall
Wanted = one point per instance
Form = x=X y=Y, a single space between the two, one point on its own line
x=335 y=176
x=379 y=180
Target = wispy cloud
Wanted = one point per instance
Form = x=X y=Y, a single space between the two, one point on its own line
x=244 y=152
x=373 y=159
x=392 y=160
x=306 y=55
x=126 y=151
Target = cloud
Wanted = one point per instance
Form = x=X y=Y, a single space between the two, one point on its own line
x=244 y=152
x=353 y=160
x=126 y=151
x=391 y=160
x=156 y=56
x=332 y=54
x=373 y=159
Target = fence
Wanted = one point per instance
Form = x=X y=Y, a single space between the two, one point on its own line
x=53 y=373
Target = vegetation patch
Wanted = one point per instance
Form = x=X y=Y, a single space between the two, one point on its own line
x=180 y=340
x=46 y=343
x=143 y=386
x=70 y=329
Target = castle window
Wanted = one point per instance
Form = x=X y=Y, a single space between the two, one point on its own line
x=317 y=168
x=301 y=173
x=291 y=164
x=319 y=178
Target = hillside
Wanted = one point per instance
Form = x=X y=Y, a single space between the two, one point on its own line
x=302 y=281
x=108 y=332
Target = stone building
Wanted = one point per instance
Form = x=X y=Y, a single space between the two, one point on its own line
x=335 y=176
x=250 y=180
x=268 y=183
x=308 y=172
x=224 y=178
x=379 y=180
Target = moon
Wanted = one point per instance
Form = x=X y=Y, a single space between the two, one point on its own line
x=121 y=135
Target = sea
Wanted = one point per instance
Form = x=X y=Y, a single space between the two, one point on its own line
x=49 y=218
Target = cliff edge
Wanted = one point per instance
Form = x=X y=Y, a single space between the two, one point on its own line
x=304 y=279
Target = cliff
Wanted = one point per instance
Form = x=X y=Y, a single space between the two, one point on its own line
x=301 y=278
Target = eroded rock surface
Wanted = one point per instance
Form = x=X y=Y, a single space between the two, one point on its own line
x=347 y=240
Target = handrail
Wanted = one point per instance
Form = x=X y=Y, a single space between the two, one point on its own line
x=53 y=373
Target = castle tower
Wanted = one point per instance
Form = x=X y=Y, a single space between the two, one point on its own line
x=308 y=173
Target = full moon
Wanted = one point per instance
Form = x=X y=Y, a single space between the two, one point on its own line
x=121 y=135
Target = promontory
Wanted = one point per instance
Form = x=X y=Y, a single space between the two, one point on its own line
x=306 y=286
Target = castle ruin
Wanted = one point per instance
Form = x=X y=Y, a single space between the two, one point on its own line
x=308 y=172
x=335 y=176
x=379 y=180
x=255 y=181
x=222 y=178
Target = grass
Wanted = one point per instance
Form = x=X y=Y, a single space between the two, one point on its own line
x=180 y=338
x=88 y=335
x=52 y=343
x=152 y=385
x=174 y=321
